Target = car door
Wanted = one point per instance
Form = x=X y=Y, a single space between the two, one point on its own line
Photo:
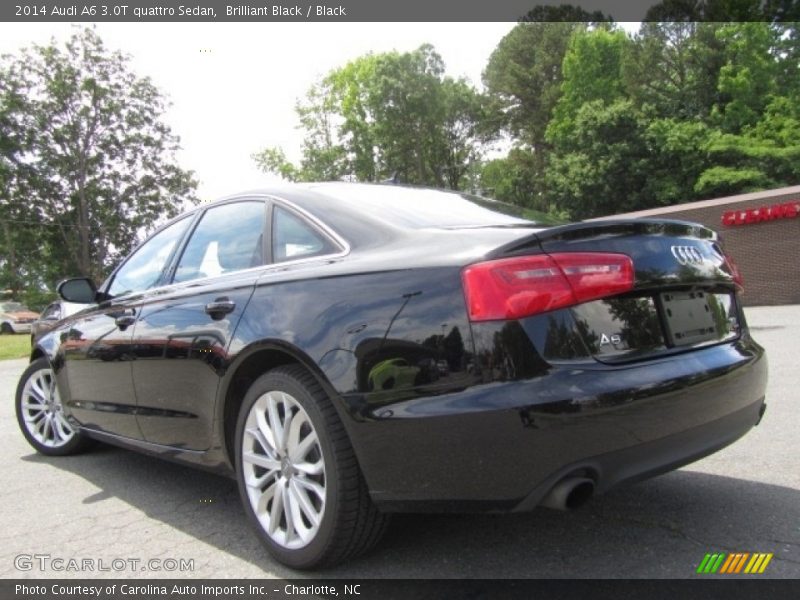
x=96 y=347
x=183 y=331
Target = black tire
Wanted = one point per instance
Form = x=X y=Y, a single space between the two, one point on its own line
x=6 y=329
x=350 y=523
x=61 y=446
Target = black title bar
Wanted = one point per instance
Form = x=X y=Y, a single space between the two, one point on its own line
x=395 y=10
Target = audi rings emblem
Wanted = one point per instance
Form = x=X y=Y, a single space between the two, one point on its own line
x=687 y=255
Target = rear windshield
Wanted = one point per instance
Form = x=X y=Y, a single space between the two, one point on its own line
x=418 y=208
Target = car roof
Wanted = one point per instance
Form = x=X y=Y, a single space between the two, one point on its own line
x=372 y=212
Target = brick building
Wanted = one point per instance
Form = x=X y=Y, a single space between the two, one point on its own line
x=761 y=231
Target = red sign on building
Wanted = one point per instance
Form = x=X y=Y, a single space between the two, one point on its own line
x=750 y=216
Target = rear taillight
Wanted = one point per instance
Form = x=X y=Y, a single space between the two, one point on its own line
x=735 y=272
x=513 y=288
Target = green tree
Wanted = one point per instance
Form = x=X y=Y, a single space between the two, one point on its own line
x=405 y=109
x=523 y=83
x=748 y=79
x=17 y=248
x=602 y=166
x=720 y=11
x=597 y=121
x=598 y=160
x=766 y=155
x=513 y=179
x=99 y=159
x=387 y=115
x=273 y=160
x=681 y=112
x=674 y=67
x=523 y=79
x=592 y=72
x=460 y=150
x=676 y=155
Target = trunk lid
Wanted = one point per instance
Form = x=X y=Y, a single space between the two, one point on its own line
x=684 y=293
x=664 y=253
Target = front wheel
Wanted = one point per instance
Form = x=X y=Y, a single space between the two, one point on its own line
x=6 y=329
x=40 y=413
x=298 y=476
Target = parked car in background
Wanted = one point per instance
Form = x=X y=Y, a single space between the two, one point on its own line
x=51 y=315
x=289 y=338
x=16 y=317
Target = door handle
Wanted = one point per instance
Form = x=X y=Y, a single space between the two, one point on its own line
x=220 y=307
x=125 y=321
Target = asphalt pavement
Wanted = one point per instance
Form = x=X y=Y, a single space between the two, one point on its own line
x=115 y=513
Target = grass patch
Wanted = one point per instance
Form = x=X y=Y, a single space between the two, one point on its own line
x=16 y=345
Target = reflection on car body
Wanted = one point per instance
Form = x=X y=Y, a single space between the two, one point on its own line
x=51 y=315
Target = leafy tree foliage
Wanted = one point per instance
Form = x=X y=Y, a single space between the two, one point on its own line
x=563 y=12
x=766 y=155
x=600 y=167
x=680 y=112
x=392 y=115
x=523 y=79
x=673 y=67
x=87 y=161
x=15 y=244
x=512 y=179
x=724 y=10
x=597 y=121
x=592 y=70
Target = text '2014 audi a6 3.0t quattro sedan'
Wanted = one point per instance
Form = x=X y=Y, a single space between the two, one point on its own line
x=346 y=351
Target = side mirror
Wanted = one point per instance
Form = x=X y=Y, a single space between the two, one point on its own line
x=80 y=290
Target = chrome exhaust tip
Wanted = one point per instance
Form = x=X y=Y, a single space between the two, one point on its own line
x=569 y=493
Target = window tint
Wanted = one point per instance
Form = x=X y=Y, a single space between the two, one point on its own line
x=293 y=238
x=143 y=269
x=228 y=238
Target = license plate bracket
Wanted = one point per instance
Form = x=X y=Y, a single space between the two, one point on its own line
x=689 y=319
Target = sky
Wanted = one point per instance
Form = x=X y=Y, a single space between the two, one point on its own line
x=234 y=86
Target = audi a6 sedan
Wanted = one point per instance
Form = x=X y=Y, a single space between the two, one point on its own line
x=296 y=339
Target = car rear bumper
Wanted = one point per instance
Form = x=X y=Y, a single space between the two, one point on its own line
x=503 y=445
x=654 y=458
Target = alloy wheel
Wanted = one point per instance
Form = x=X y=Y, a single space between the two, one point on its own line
x=42 y=411
x=284 y=470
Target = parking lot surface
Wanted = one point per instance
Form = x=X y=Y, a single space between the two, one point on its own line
x=114 y=505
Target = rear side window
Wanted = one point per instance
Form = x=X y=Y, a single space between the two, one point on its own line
x=228 y=238
x=294 y=238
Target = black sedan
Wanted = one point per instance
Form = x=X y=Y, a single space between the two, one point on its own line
x=292 y=338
